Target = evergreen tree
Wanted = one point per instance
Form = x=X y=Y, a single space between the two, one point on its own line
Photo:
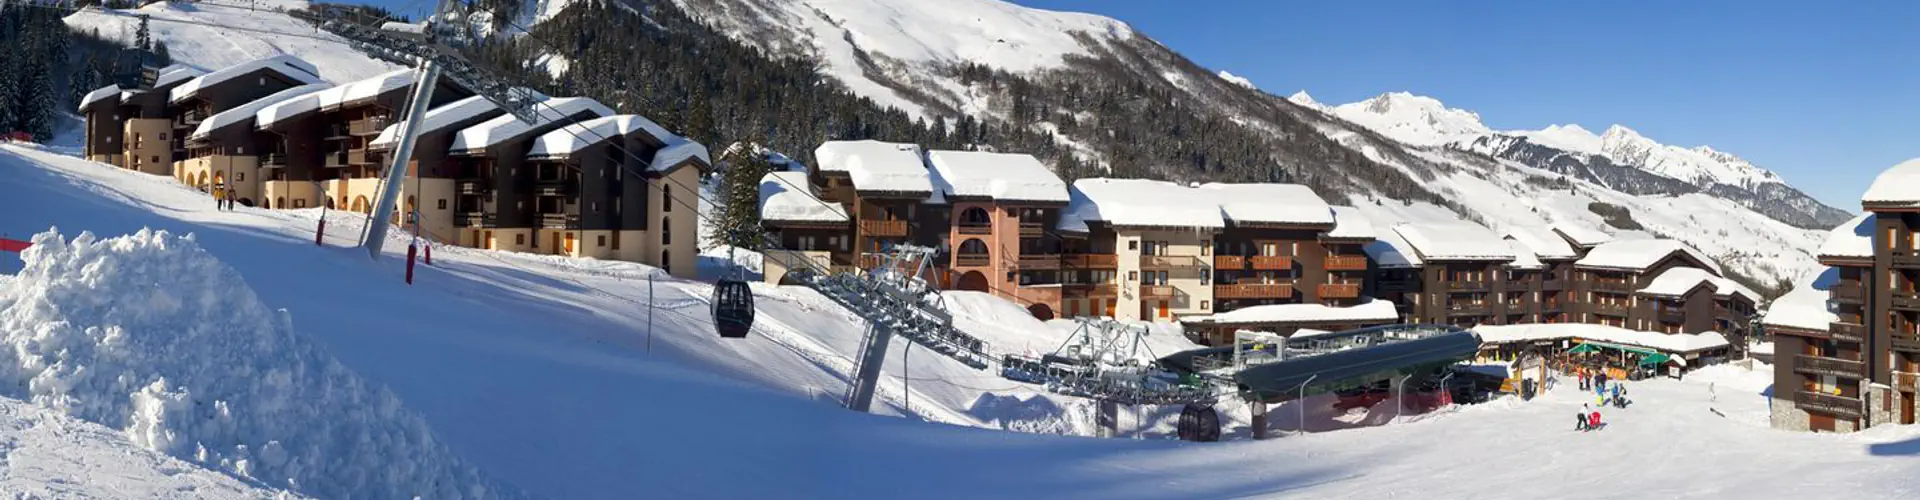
x=736 y=221
x=142 y=39
x=34 y=100
x=160 y=54
x=84 y=79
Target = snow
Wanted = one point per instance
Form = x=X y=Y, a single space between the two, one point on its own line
x=678 y=150
x=505 y=127
x=1582 y=235
x=1639 y=254
x=1268 y=203
x=1542 y=242
x=876 y=166
x=175 y=74
x=1805 y=307
x=1391 y=251
x=152 y=332
x=1007 y=177
x=286 y=109
x=1371 y=311
x=1569 y=137
x=577 y=136
x=1899 y=185
x=540 y=371
x=1413 y=119
x=1304 y=99
x=197 y=36
x=1140 y=203
x=52 y=455
x=1454 y=241
x=246 y=112
x=97 y=95
x=1852 y=239
x=1678 y=281
x=1349 y=223
x=1237 y=79
x=1523 y=257
x=1679 y=343
x=288 y=66
x=782 y=199
x=1701 y=165
x=438 y=118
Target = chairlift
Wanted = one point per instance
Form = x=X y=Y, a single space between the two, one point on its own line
x=733 y=302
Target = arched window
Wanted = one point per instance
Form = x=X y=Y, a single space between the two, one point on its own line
x=666 y=231
x=666 y=260
x=975 y=216
x=280 y=202
x=666 y=198
x=973 y=246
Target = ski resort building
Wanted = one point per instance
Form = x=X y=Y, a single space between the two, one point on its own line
x=224 y=152
x=199 y=98
x=1862 y=368
x=604 y=188
x=1659 y=285
x=130 y=128
x=999 y=210
x=1160 y=235
x=1463 y=276
x=491 y=157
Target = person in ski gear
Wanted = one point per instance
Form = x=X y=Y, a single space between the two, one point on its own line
x=1581 y=417
x=1594 y=422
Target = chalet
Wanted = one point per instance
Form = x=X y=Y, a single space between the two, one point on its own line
x=1002 y=207
x=603 y=186
x=1608 y=276
x=883 y=187
x=812 y=234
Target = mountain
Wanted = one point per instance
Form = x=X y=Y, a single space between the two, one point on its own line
x=1413 y=119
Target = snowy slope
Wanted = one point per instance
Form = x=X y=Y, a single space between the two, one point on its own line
x=205 y=40
x=1701 y=165
x=1413 y=119
x=51 y=455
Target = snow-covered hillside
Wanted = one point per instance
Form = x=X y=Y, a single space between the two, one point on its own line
x=51 y=455
x=1413 y=119
x=202 y=35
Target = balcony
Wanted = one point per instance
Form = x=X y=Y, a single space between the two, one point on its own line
x=1468 y=309
x=1671 y=316
x=1610 y=309
x=1090 y=291
x=367 y=126
x=1253 y=291
x=1610 y=286
x=1468 y=286
x=473 y=187
x=1906 y=343
x=193 y=116
x=974 y=229
x=1827 y=403
x=1398 y=286
x=473 y=219
x=1090 y=261
x=1156 y=291
x=1848 y=332
x=1906 y=260
x=1229 y=262
x=358 y=157
x=1339 y=290
x=1031 y=230
x=560 y=221
x=1168 y=261
x=1822 y=365
x=1040 y=261
x=1519 y=286
x=552 y=187
x=337 y=160
x=883 y=228
x=1848 y=292
x=972 y=260
x=1906 y=301
x=1553 y=308
x=1345 y=263
x=273 y=161
x=1553 y=285
x=1271 y=263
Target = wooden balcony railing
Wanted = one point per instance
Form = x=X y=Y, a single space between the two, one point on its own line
x=883 y=228
x=1905 y=300
x=1253 y=291
x=1851 y=292
x=971 y=260
x=1229 y=262
x=1468 y=309
x=1519 y=285
x=473 y=219
x=973 y=229
x=1090 y=261
x=1156 y=291
x=1399 y=286
x=1345 y=263
x=1090 y=291
x=1553 y=285
x=1031 y=229
x=1039 y=261
x=1907 y=260
x=1339 y=290
x=1847 y=332
x=367 y=126
x=1671 y=316
x=1468 y=286
x=560 y=221
x=1610 y=286
x=466 y=186
x=1828 y=403
x=358 y=157
x=1610 y=309
x=1168 y=261
x=1906 y=382
x=1822 y=365
x=1906 y=342
x=1271 y=263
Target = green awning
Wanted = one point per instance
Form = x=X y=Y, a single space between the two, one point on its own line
x=1618 y=347
x=1583 y=348
x=1655 y=359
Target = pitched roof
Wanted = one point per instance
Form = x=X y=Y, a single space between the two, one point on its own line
x=98 y=95
x=1581 y=235
x=1454 y=241
x=288 y=66
x=1852 y=239
x=1139 y=203
x=246 y=112
x=1896 y=186
x=1391 y=251
x=1268 y=203
x=1638 y=255
x=1523 y=257
x=503 y=128
x=876 y=166
x=1348 y=223
x=1678 y=281
x=1543 y=242
x=1371 y=311
x=578 y=135
x=997 y=176
x=787 y=197
x=679 y=150
x=439 y=118
x=1805 y=307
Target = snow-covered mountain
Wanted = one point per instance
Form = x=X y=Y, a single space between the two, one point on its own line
x=195 y=35
x=1413 y=119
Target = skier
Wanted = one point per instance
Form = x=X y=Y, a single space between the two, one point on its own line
x=1581 y=417
x=1616 y=391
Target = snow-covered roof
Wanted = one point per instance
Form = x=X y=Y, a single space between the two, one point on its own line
x=1639 y=254
x=999 y=176
x=787 y=197
x=291 y=67
x=1268 y=203
x=1898 y=186
x=367 y=89
x=438 y=118
x=1854 y=239
x=1454 y=241
x=1523 y=257
x=1805 y=307
x=1543 y=242
x=1349 y=223
x=175 y=74
x=501 y=128
x=1141 y=203
x=577 y=136
x=287 y=109
x=1371 y=311
x=1391 y=251
x=876 y=166
x=1666 y=342
x=679 y=150
x=98 y=95
x=1581 y=235
x=1678 y=281
x=242 y=113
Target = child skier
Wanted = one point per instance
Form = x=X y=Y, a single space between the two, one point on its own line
x=1593 y=423
x=1581 y=417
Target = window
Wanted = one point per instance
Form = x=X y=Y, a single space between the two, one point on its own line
x=603 y=240
x=616 y=241
x=666 y=198
x=594 y=206
x=443 y=203
x=666 y=233
x=1133 y=244
x=1206 y=305
x=1133 y=275
x=1206 y=248
x=239 y=177
x=156 y=159
x=519 y=239
x=163 y=136
x=805 y=242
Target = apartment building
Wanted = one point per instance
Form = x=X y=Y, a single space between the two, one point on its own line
x=603 y=188
x=201 y=97
x=1462 y=280
x=811 y=233
x=1612 y=279
x=224 y=151
x=1002 y=208
x=1398 y=275
x=492 y=157
x=1862 y=370
x=1160 y=235
x=457 y=196
x=129 y=128
x=1556 y=254
x=340 y=169
x=885 y=188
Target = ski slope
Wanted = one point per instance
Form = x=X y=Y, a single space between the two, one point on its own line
x=51 y=455
x=215 y=34
x=542 y=373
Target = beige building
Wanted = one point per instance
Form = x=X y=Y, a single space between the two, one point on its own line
x=1161 y=235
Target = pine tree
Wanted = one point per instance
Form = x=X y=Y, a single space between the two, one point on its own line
x=83 y=79
x=736 y=221
x=160 y=55
x=34 y=100
x=142 y=39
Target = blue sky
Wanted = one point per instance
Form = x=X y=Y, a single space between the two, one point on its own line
x=1827 y=94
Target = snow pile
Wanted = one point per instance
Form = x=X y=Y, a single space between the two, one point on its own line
x=1349 y=223
x=1455 y=241
x=678 y=151
x=97 y=95
x=503 y=128
x=1268 y=203
x=247 y=112
x=1371 y=311
x=1805 y=307
x=1899 y=186
x=1139 y=203
x=292 y=68
x=1542 y=242
x=441 y=117
x=1667 y=342
x=1639 y=255
x=151 y=332
x=1854 y=239
x=788 y=197
x=1003 y=177
x=876 y=166
x=50 y=455
x=1523 y=257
